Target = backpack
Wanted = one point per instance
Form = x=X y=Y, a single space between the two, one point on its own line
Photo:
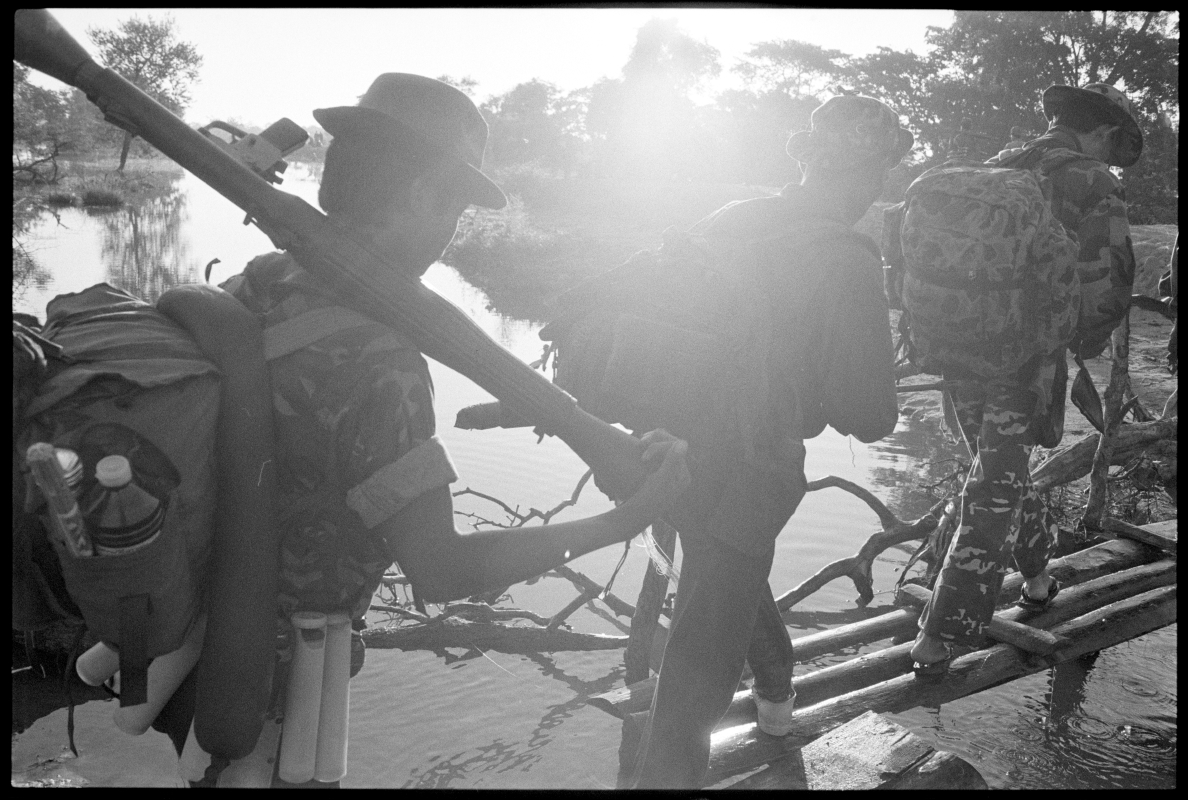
x=128 y=381
x=989 y=274
x=678 y=337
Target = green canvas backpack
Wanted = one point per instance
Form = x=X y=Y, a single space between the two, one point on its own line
x=989 y=275
x=125 y=381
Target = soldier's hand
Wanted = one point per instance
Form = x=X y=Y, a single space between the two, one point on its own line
x=665 y=455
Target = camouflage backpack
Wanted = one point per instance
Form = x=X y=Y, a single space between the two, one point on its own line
x=990 y=277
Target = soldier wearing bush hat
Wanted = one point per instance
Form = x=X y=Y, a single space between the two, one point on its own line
x=1101 y=103
x=851 y=132
x=823 y=356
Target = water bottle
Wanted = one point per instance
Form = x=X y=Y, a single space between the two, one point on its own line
x=303 y=703
x=333 y=718
x=124 y=516
x=165 y=674
x=98 y=664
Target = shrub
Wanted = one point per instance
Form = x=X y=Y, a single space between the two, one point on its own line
x=60 y=199
x=102 y=197
x=490 y=238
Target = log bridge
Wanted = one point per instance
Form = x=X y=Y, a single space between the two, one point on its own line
x=1114 y=591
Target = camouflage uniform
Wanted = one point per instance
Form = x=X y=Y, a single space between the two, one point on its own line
x=1001 y=512
x=353 y=408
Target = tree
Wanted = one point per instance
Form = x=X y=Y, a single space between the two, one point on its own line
x=148 y=54
x=40 y=129
x=647 y=118
x=466 y=84
x=790 y=66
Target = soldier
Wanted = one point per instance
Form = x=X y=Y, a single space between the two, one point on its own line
x=830 y=362
x=1002 y=421
x=1017 y=139
x=363 y=480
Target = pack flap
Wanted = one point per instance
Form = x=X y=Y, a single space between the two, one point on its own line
x=107 y=331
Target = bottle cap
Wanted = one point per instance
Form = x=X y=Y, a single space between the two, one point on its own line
x=71 y=465
x=113 y=472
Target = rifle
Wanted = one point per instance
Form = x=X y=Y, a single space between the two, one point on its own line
x=360 y=278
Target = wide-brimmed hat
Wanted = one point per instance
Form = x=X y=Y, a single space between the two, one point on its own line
x=849 y=131
x=1114 y=106
x=434 y=111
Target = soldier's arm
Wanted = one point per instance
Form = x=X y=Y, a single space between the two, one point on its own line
x=858 y=363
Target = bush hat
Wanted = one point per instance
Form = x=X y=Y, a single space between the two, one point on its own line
x=1114 y=107
x=432 y=110
x=847 y=131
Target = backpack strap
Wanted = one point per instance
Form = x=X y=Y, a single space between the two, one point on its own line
x=293 y=334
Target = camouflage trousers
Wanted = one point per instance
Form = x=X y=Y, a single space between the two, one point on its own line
x=1001 y=513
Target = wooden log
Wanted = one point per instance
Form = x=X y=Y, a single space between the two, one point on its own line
x=454 y=632
x=1156 y=534
x=1000 y=629
x=868 y=752
x=1075 y=460
x=891 y=662
x=1084 y=565
x=745 y=747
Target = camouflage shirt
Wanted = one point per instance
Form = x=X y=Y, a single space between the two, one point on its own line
x=1089 y=201
x=355 y=443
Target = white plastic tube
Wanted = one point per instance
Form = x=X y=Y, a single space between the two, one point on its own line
x=165 y=674
x=333 y=718
x=303 y=702
x=98 y=664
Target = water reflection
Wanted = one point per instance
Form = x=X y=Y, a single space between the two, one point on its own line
x=143 y=249
x=921 y=449
x=27 y=273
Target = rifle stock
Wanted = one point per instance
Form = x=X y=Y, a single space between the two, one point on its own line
x=362 y=279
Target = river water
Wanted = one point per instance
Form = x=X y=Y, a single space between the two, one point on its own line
x=471 y=719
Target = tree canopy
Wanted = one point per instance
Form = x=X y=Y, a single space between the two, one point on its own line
x=148 y=54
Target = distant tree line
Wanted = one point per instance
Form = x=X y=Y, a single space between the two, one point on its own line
x=990 y=67
x=656 y=121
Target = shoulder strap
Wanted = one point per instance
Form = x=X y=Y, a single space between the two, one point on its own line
x=304 y=329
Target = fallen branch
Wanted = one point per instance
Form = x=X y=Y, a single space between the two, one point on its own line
x=859 y=567
x=456 y=632
x=1075 y=460
x=886 y=516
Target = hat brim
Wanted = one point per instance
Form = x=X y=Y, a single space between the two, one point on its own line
x=369 y=124
x=802 y=147
x=1128 y=148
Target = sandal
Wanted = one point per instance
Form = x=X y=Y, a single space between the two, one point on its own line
x=1026 y=602
x=934 y=671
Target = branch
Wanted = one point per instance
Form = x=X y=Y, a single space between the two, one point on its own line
x=886 y=517
x=858 y=566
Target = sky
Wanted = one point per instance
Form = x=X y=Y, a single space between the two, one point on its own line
x=264 y=64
